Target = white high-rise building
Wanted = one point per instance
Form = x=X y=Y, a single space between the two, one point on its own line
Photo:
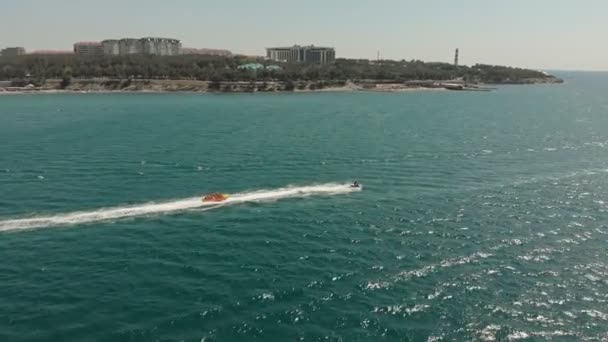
x=110 y=47
x=302 y=54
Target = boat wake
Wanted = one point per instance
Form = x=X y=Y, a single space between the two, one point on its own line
x=179 y=205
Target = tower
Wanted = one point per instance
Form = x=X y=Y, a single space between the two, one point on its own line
x=456 y=57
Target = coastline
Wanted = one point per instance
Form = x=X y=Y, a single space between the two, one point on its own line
x=127 y=86
x=201 y=87
x=101 y=92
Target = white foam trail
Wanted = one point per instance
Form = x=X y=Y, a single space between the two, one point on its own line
x=171 y=207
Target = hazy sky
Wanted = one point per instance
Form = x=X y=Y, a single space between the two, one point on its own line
x=547 y=34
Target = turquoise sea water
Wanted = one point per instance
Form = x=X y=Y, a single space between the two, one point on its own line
x=483 y=216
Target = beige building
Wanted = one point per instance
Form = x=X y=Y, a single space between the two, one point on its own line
x=52 y=52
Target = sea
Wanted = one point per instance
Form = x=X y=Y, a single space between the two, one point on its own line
x=483 y=216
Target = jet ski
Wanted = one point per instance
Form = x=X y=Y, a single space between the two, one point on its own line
x=355 y=185
x=215 y=197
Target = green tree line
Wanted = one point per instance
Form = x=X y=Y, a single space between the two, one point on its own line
x=214 y=68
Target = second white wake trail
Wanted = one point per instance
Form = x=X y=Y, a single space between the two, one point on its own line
x=147 y=209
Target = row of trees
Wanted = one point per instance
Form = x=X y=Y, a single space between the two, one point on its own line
x=215 y=68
